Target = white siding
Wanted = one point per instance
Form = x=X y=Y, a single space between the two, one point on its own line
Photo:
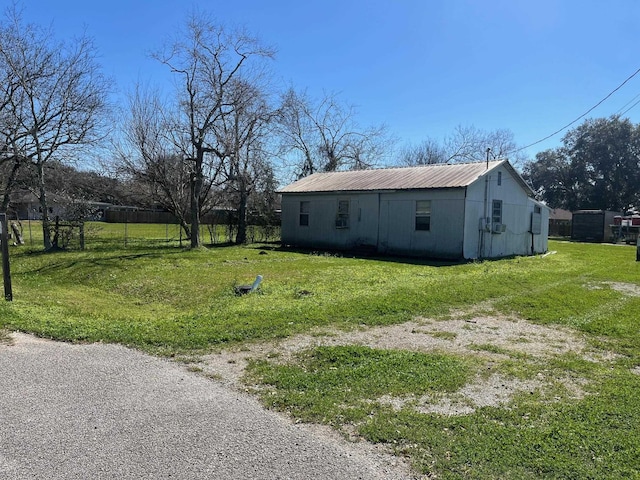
x=323 y=211
x=386 y=220
x=516 y=216
x=397 y=223
x=541 y=241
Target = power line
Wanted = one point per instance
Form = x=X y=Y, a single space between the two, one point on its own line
x=583 y=115
x=632 y=106
x=627 y=104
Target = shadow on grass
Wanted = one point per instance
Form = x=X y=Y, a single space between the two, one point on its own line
x=214 y=246
x=364 y=254
x=113 y=261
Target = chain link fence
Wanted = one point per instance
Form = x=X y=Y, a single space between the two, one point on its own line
x=131 y=235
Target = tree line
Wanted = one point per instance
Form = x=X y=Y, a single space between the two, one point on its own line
x=597 y=167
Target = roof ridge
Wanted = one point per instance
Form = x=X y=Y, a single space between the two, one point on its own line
x=407 y=167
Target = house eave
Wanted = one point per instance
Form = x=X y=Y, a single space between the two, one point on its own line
x=375 y=192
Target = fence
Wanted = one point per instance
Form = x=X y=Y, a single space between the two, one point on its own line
x=114 y=215
x=105 y=235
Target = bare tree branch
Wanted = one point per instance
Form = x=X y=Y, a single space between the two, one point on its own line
x=325 y=136
x=190 y=149
x=55 y=103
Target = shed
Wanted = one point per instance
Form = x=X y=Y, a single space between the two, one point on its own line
x=592 y=225
x=472 y=210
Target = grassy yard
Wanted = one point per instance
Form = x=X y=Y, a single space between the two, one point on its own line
x=170 y=301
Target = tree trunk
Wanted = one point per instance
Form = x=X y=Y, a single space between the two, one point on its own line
x=56 y=234
x=196 y=190
x=241 y=236
x=195 y=213
x=8 y=187
x=186 y=228
x=46 y=222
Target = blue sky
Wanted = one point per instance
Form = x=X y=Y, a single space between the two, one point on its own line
x=422 y=67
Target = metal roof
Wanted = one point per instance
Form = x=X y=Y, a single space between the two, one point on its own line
x=407 y=178
x=560 y=214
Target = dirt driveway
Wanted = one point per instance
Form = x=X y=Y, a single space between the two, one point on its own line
x=494 y=338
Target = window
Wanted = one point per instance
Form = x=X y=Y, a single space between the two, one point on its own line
x=499 y=178
x=342 y=219
x=423 y=215
x=304 y=214
x=496 y=211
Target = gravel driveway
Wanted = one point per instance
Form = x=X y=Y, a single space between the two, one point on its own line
x=108 y=412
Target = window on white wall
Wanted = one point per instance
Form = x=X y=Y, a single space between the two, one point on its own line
x=499 y=178
x=496 y=211
x=423 y=215
x=342 y=218
x=304 y=213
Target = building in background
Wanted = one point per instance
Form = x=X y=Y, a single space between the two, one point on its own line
x=592 y=225
x=460 y=211
x=560 y=223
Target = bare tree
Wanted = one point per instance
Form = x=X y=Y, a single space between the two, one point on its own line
x=465 y=144
x=427 y=152
x=149 y=156
x=324 y=136
x=56 y=103
x=10 y=163
x=243 y=134
x=207 y=59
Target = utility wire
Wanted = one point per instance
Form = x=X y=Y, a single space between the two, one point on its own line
x=626 y=105
x=583 y=115
x=623 y=113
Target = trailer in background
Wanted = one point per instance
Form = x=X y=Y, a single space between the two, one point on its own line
x=626 y=228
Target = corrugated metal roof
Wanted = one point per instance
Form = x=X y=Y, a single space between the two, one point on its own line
x=408 y=178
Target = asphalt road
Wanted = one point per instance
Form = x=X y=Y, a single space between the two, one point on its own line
x=108 y=412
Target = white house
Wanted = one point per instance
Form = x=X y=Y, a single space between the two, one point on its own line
x=472 y=210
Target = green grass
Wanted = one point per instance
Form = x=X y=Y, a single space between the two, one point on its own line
x=589 y=439
x=335 y=385
x=166 y=299
x=109 y=235
x=153 y=295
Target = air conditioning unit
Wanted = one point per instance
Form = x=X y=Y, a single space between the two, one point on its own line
x=499 y=228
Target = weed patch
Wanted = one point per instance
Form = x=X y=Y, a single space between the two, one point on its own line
x=5 y=339
x=335 y=385
x=589 y=438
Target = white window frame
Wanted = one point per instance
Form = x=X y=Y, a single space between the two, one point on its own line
x=423 y=216
x=342 y=213
x=496 y=206
x=305 y=207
